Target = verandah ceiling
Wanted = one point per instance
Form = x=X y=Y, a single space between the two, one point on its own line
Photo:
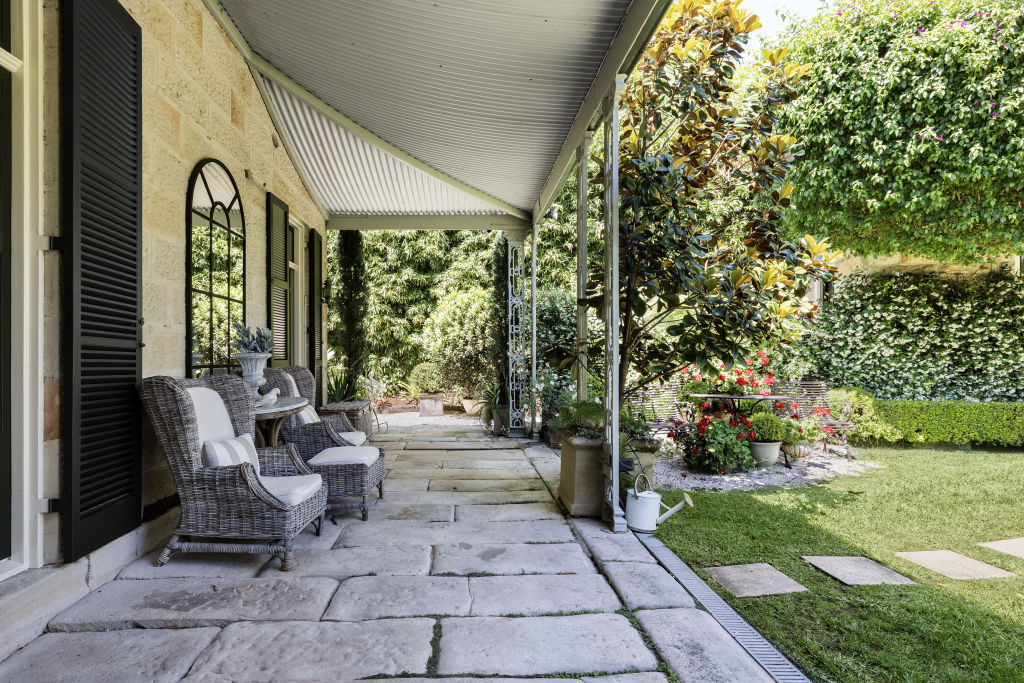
x=483 y=91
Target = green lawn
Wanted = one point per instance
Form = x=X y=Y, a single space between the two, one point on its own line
x=940 y=630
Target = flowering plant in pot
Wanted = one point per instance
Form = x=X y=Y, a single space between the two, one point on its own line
x=769 y=432
x=802 y=434
x=752 y=378
x=719 y=444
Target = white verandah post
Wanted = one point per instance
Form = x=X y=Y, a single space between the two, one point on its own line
x=612 y=513
x=581 y=265
x=517 y=389
x=533 y=327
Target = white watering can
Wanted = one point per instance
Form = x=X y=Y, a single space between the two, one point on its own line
x=642 y=507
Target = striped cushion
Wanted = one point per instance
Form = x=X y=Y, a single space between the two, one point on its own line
x=307 y=416
x=231 y=452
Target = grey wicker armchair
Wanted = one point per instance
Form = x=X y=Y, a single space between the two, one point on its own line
x=224 y=504
x=331 y=447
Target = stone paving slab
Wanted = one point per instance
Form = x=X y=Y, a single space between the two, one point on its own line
x=184 y=565
x=469 y=455
x=191 y=603
x=460 y=445
x=505 y=559
x=854 y=570
x=646 y=586
x=646 y=677
x=384 y=510
x=436 y=533
x=316 y=651
x=463 y=473
x=467 y=498
x=520 y=464
x=1011 y=546
x=342 y=563
x=405 y=465
x=400 y=484
x=697 y=648
x=308 y=540
x=136 y=655
x=507 y=513
x=385 y=597
x=954 y=565
x=487 y=485
x=497 y=596
x=542 y=645
x=608 y=546
x=753 y=580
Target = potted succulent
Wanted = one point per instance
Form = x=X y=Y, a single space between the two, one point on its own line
x=769 y=433
x=254 y=348
x=426 y=378
x=581 y=486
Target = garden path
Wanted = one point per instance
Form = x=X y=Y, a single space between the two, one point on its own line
x=466 y=568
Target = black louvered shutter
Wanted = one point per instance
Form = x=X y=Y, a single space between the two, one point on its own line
x=316 y=311
x=101 y=140
x=278 y=296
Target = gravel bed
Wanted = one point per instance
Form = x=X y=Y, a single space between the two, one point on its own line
x=412 y=422
x=671 y=473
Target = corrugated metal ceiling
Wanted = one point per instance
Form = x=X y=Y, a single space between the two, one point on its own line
x=354 y=177
x=482 y=90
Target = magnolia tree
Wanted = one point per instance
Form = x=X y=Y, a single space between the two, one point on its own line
x=705 y=273
x=911 y=123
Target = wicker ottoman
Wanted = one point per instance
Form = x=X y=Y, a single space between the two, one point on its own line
x=350 y=471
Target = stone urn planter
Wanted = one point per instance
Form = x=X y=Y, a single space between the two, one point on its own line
x=766 y=453
x=472 y=406
x=253 y=365
x=798 y=450
x=431 y=405
x=581 y=486
x=646 y=451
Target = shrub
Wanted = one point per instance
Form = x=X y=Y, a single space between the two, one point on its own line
x=426 y=379
x=871 y=427
x=458 y=337
x=556 y=327
x=923 y=337
x=956 y=422
x=767 y=427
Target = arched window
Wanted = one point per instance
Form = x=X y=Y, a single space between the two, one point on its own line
x=215 y=284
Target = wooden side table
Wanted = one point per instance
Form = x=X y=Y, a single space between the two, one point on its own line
x=269 y=419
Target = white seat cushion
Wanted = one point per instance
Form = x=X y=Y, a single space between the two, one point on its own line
x=354 y=438
x=293 y=388
x=212 y=417
x=293 y=490
x=307 y=415
x=231 y=452
x=346 y=455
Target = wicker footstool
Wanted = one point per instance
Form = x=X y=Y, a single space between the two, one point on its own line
x=350 y=471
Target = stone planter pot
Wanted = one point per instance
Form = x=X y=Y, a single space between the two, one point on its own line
x=472 y=406
x=253 y=365
x=798 y=450
x=646 y=451
x=554 y=437
x=766 y=453
x=581 y=486
x=431 y=405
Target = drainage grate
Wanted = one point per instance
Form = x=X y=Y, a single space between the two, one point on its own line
x=753 y=642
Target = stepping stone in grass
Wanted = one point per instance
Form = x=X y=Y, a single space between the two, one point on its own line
x=857 y=571
x=954 y=565
x=1011 y=546
x=754 y=580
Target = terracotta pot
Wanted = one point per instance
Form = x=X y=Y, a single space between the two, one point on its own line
x=798 y=450
x=431 y=405
x=581 y=486
x=766 y=453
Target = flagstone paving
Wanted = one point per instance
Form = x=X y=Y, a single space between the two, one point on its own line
x=954 y=565
x=754 y=580
x=1011 y=546
x=857 y=571
x=457 y=573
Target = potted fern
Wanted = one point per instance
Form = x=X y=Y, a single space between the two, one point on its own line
x=254 y=348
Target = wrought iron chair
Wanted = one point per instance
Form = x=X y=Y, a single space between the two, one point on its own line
x=233 y=503
x=330 y=445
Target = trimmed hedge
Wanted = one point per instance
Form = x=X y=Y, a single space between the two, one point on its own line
x=957 y=422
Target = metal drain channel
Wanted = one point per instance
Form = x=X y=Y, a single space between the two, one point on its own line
x=753 y=642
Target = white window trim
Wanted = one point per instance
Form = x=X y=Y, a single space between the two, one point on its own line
x=27 y=246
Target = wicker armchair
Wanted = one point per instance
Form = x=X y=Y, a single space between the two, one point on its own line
x=226 y=503
x=332 y=447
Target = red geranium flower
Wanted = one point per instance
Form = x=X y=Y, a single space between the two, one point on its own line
x=741 y=381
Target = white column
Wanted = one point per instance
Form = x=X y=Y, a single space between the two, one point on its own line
x=517 y=389
x=581 y=265
x=612 y=513
x=533 y=327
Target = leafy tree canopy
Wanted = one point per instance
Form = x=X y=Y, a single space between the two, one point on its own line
x=911 y=125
